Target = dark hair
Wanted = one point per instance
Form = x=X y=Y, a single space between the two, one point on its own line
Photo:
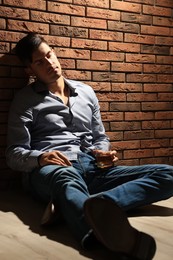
x=27 y=45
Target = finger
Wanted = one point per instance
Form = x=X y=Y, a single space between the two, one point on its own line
x=63 y=159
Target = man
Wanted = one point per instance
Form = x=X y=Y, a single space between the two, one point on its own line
x=55 y=133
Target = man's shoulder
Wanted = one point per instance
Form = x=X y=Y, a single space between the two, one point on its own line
x=24 y=90
x=78 y=85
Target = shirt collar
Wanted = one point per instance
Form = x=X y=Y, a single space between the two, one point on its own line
x=40 y=87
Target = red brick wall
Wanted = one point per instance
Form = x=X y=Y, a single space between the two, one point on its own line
x=123 y=49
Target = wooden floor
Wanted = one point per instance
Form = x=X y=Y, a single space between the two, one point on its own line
x=22 y=238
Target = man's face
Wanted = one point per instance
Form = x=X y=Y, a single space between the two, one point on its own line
x=45 y=65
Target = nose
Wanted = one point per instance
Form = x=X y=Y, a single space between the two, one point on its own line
x=48 y=60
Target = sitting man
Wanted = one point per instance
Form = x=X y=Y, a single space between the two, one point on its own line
x=55 y=135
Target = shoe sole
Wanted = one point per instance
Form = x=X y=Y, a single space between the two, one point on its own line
x=113 y=230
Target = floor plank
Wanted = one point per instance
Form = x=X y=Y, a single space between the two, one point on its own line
x=22 y=238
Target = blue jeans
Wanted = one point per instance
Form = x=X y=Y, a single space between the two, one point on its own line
x=128 y=186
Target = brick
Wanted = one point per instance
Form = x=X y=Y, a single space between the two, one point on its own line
x=156 y=10
x=165 y=96
x=80 y=75
x=96 y=3
x=126 y=67
x=50 y=17
x=164 y=41
x=106 y=126
x=5 y=94
x=4 y=71
x=154 y=30
x=164 y=59
x=158 y=106
x=157 y=87
x=154 y=143
x=166 y=3
x=109 y=76
x=104 y=106
x=18 y=72
x=11 y=82
x=28 y=26
x=103 y=13
x=141 y=77
x=88 y=22
x=154 y=49
x=162 y=21
x=66 y=1
x=145 y=153
x=141 y=97
x=72 y=53
x=112 y=116
x=3 y=128
x=124 y=47
x=107 y=56
x=105 y=35
x=139 y=135
x=67 y=63
x=121 y=126
x=68 y=31
x=124 y=106
x=93 y=65
x=126 y=87
x=154 y=68
x=123 y=27
x=111 y=97
x=2 y=23
x=124 y=145
x=115 y=136
x=124 y=6
x=3 y=163
x=138 y=38
x=10 y=12
x=57 y=41
x=150 y=2
x=154 y=160
x=164 y=115
x=9 y=59
x=171 y=51
x=141 y=58
x=129 y=162
x=139 y=116
x=39 y=4
x=4 y=107
x=165 y=78
x=136 y=18
x=163 y=152
x=155 y=124
x=66 y=8
x=100 y=86
x=4 y=47
x=89 y=44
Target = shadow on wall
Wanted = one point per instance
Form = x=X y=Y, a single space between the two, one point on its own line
x=12 y=78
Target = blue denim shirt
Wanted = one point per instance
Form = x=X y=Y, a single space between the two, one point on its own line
x=39 y=122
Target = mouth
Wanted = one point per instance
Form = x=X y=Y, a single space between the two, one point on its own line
x=52 y=69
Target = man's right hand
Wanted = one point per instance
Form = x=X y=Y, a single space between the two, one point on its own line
x=53 y=157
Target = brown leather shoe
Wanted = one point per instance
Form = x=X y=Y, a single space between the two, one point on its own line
x=112 y=228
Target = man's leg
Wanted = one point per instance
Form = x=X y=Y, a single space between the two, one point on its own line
x=134 y=186
x=117 y=190
x=66 y=187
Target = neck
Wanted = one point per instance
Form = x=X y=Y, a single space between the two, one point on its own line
x=58 y=86
x=60 y=89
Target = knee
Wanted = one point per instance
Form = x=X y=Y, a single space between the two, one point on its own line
x=167 y=176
